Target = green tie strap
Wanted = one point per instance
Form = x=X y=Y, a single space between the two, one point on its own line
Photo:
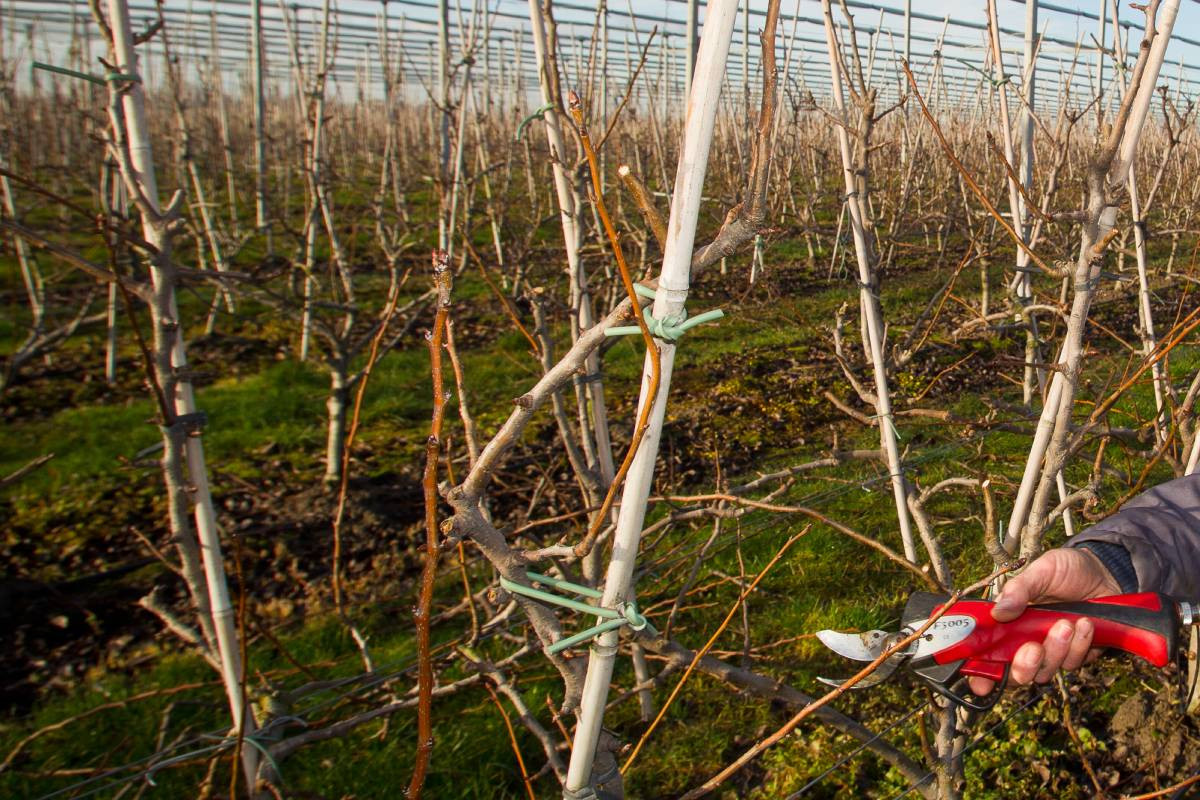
x=623 y=614
x=669 y=329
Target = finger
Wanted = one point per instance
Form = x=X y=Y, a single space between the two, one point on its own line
x=1093 y=654
x=1026 y=662
x=1081 y=645
x=1055 y=650
x=981 y=687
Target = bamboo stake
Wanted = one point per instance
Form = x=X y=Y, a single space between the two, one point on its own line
x=674 y=281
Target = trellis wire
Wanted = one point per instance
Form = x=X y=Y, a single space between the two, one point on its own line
x=413 y=24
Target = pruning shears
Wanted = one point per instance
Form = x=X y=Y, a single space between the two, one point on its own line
x=967 y=642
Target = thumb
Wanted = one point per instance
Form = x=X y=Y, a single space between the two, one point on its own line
x=1017 y=593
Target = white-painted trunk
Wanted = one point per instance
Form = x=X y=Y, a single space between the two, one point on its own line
x=594 y=437
x=184 y=402
x=1057 y=400
x=1145 y=315
x=335 y=440
x=868 y=302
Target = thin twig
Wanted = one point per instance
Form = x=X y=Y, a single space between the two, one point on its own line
x=937 y=130
x=585 y=545
x=1012 y=174
x=512 y=738
x=819 y=517
x=708 y=646
x=1170 y=790
x=1087 y=765
x=351 y=435
x=21 y=472
x=62 y=723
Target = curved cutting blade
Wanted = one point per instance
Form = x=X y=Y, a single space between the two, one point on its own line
x=865 y=646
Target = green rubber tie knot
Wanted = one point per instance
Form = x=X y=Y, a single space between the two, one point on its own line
x=669 y=329
x=633 y=617
x=624 y=614
x=539 y=114
x=890 y=421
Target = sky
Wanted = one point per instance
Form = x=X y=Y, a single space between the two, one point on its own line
x=412 y=26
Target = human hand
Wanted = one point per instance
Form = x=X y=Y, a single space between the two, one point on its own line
x=1063 y=574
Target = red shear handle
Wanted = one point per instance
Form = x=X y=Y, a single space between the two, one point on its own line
x=1145 y=624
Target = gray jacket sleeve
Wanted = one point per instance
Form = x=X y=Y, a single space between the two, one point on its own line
x=1160 y=529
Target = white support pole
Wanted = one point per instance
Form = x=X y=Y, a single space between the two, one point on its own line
x=260 y=134
x=869 y=303
x=1029 y=92
x=745 y=56
x=673 y=285
x=690 y=37
x=603 y=115
x=443 y=94
x=907 y=31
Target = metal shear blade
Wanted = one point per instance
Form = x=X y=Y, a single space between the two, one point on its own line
x=865 y=646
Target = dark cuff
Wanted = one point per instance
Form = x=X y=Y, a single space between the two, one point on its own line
x=1116 y=560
